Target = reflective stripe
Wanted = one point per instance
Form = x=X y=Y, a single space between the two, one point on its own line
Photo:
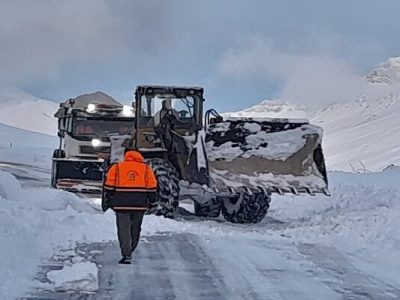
x=135 y=190
x=129 y=208
x=130 y=189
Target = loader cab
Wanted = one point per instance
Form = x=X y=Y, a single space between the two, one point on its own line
x=180 y=107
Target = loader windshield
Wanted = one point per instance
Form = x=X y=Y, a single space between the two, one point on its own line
x=87 y=129
x=154 y=108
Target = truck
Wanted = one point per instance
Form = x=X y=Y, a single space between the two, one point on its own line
x=85 y=126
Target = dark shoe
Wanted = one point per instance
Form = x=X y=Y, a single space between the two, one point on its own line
x=125 y=260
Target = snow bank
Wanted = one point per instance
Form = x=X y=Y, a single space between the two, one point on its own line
x=35 y=223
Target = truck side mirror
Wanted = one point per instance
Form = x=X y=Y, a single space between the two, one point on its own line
x=61 y=122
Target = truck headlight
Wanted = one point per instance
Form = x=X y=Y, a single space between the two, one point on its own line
x=95 y=142
x=127 y=110
x=91 y=108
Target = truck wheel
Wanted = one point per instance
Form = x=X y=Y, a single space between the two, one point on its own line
x=245 y=207
x=210 y=209
x=168 y=187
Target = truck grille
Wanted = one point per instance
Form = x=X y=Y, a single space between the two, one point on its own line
x=94 y=150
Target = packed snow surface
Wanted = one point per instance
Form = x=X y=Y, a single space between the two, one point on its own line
x=82 y=276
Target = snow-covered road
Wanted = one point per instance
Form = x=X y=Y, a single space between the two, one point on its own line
x=186 y=266
x=307 y=248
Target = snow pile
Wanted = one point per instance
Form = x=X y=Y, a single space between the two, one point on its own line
x=276 y=145
x=34 y=223
x=25 y=111
x=81 y=277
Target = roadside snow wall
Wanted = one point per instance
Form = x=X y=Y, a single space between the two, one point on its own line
x=35 y=223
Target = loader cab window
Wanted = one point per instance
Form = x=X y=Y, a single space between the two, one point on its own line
x=154 y=108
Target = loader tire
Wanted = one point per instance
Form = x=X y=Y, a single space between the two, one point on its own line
x=211 y=209
x=168 y=187
x=246 y=208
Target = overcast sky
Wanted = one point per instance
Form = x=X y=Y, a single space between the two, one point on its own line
x=241 y=51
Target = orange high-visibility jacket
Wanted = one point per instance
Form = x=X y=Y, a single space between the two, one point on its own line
x=130 y=184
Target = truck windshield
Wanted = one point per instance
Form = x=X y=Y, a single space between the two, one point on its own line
x=88 y=129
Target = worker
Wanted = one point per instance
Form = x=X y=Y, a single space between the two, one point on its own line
x=130 y=188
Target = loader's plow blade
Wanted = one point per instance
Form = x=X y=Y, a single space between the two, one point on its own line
x=273 y=155
x=78 y=175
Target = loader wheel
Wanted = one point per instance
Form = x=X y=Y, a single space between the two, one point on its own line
x=245 y=207
x=211 y=209
x=168 y=187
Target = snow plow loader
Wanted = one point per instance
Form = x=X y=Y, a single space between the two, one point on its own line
x=85 y=126
x=228 y=166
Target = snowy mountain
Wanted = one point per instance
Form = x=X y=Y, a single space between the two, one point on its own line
x=21 y=110
x=22 y=146
x=272 y=109
x=386 y=73
x=360 y=135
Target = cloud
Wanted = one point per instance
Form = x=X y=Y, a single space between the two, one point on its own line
x=58 y=49
x=317 y=78
x=40 y=40
x=36 y=40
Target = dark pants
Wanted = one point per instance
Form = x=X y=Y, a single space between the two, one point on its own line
x=129 y=225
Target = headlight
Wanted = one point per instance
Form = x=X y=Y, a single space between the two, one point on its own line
x=95 y=142
x=127 y=110
x=91 y=108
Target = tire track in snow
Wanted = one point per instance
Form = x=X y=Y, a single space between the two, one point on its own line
x=266 y=269
x=347 y=280
x=191 y=271
x=239 y=272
